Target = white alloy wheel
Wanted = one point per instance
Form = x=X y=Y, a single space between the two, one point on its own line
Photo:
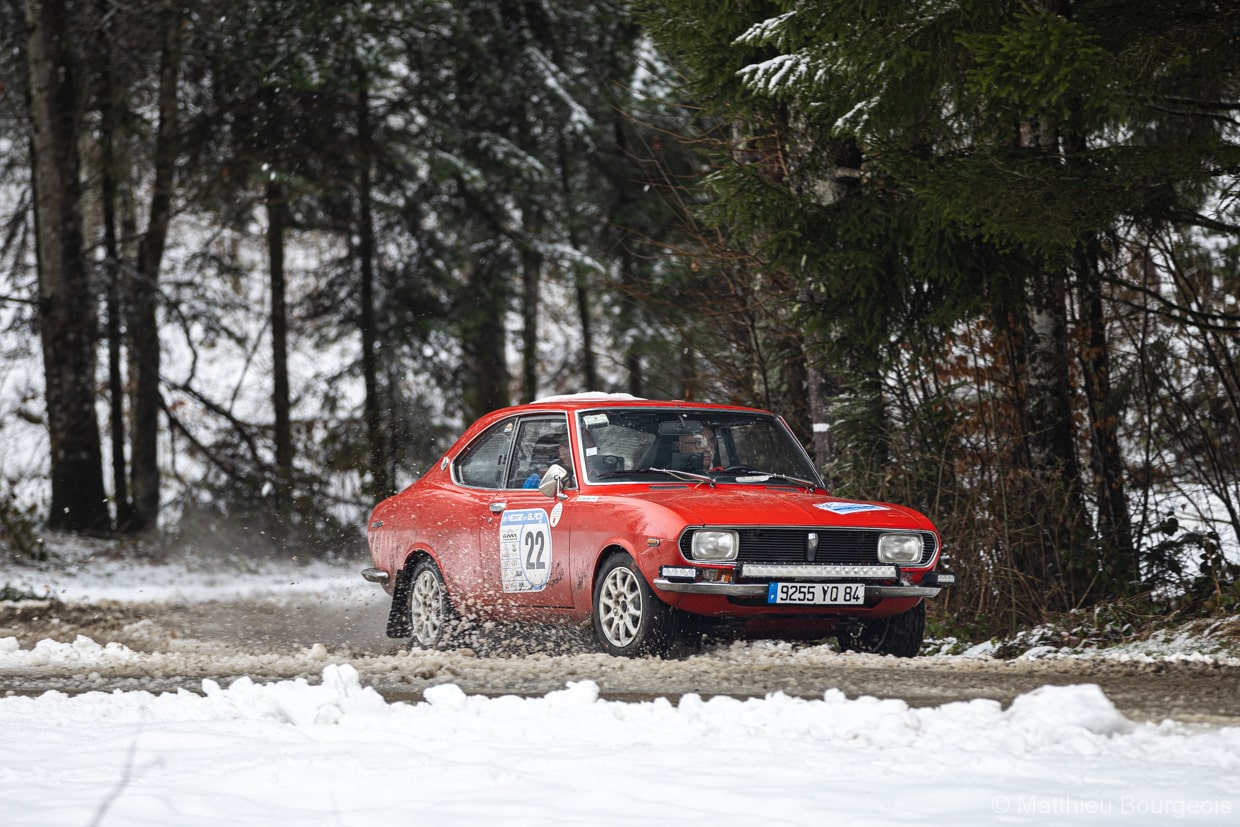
x=428 y=605
x=628 y=618
x=620 y=607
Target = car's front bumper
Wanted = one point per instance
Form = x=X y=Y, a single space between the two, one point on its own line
x=760 y=589
x=689 y=579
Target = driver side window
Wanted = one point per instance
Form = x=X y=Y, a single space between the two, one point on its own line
x=540 y=444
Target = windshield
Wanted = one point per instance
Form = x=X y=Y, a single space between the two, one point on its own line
x=638 y=445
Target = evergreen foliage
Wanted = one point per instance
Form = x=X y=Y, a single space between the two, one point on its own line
x=939 y=177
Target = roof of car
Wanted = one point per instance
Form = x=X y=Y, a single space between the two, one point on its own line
x=578 y=401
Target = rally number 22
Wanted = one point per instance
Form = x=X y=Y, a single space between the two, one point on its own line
x=535 y=550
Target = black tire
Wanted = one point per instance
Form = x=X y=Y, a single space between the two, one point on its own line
x=431 y=616
x=900 y=635
x=628 y=619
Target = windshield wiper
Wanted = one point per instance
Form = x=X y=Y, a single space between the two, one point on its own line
x=685 y=475
x=746 y=474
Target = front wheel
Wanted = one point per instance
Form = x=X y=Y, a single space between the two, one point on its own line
x=900 y=635
x=628 y=619
x=430 y=610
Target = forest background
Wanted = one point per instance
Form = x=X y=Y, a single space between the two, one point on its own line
x=260 y=262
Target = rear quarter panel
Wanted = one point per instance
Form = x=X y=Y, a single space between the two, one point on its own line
x=433 y=517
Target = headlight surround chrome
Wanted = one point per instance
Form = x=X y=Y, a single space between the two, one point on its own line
x=714 y=544
x=899 y=548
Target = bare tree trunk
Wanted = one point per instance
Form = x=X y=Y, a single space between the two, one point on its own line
x=1057 y=503
x=110 y=109
x=632 y=355
x=483 y=339
x=818 y=384
x=819 y=406
x=144 y=322
x=67 y=310
x=636 y=384
x=581 y=288
x=637 y=376
x=381 y=481
x=281 y=403
x=531 y=278
x=1064 y=559
x=1119 y=557
x=589 y=365
x=689 y=384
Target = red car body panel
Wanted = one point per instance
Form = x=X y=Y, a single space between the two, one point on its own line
x=462 y=527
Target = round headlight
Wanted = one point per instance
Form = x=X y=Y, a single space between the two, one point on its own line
x=715 y=545
x=899 y=548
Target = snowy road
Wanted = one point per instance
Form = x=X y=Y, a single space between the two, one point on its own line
x=177 y=645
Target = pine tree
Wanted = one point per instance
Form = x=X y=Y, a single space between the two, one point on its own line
x=918 y=167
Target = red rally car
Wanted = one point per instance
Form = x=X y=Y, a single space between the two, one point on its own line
x=648 y=518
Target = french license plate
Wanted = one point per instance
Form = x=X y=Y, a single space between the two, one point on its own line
x=817 y=594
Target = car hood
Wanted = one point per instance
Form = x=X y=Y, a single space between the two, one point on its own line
x=743 y=505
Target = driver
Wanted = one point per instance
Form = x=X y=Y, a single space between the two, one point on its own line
x=703 y=444
x=565 y=460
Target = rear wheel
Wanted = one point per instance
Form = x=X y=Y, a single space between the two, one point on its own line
x=430 y=610
x=900 y=635
x=628 y=619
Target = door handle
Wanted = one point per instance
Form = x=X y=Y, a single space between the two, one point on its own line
x=498 y=507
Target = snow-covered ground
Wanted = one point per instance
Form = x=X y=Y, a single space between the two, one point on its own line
x=332 y=751
x=335 y=753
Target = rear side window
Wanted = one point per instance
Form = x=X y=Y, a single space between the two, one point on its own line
x=484 y=462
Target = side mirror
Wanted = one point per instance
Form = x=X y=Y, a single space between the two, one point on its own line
x=552 y=484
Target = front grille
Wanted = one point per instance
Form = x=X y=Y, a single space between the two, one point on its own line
x=836 y=546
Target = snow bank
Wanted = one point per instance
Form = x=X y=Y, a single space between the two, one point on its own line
x=334 y=752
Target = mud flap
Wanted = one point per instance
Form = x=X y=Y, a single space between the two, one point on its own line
x=399 y=624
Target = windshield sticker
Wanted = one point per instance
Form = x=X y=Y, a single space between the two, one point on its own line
x=849 y=508
x=597 y=420
x=525 y=550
